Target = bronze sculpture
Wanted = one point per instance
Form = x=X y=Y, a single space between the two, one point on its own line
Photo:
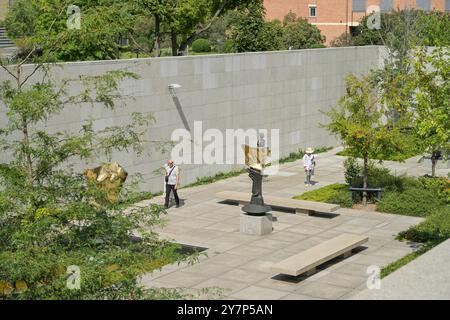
x=255 y=159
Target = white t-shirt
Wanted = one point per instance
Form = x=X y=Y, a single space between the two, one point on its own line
x=173 y=176
x=308 y=161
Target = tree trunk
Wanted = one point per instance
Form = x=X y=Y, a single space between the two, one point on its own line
x=365 y=178
x=157 y=35
x=434 y=160
x=173 y=35
x=26 y=143
x=184 y=45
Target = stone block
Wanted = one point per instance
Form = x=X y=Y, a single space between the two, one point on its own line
x=256 y=225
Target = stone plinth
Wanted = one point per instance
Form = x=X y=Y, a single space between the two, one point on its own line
x=256 y=225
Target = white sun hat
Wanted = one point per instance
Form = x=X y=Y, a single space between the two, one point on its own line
x=309 y=150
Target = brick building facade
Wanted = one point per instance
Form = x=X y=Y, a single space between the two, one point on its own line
x=334 y=17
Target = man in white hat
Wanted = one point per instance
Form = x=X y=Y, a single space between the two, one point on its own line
x=308 y=165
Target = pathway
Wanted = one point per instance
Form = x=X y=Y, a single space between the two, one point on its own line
x=241 y=263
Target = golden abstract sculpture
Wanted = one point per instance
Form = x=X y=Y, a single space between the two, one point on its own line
x=109 y=177
x=256 y=157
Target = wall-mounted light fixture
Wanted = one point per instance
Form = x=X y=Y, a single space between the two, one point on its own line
x=175 y=86
x=173 y=93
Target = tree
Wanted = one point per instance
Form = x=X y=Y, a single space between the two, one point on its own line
x=299 y=34
x=21 y=19
x=215 y=9
x=52 y=219
x=399 y=32
x=344 y=40
x=251 y=32
x=360 y=123
x=103 y=23
x=431 y=107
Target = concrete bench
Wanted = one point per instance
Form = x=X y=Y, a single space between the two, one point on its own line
x=308 y=260
x=300 y=206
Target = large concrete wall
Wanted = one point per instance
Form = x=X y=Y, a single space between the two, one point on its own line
x=273 y=90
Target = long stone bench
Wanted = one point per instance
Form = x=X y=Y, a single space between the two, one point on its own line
x=300 y=206
x=308 y=260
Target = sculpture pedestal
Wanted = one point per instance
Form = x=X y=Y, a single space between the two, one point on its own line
x=256 y=225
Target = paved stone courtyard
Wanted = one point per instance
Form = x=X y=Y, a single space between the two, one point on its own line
x=240 y=263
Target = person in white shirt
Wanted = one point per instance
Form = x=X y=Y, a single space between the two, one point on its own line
x=172 y=179
x=308 y=165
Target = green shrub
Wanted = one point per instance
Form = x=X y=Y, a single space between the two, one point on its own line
x=317 y=46
x=441 y=186
x=228 y=46
x=334 y=193
x=378 y=177
x=352 y=170
x=435 y=229
x=201 y=45
x=418 y=202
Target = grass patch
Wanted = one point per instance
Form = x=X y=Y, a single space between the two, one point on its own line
x=220 y=176
x=392 y=157
x=386 y=270
x=334 y=193
x=411 y=202
x=294 y=156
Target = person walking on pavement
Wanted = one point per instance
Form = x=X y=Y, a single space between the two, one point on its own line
x=308 y=165
x=172 y=178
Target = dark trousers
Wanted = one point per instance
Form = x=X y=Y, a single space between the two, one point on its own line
x=171 y=187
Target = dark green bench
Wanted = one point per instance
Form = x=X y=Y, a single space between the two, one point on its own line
x=376 y=190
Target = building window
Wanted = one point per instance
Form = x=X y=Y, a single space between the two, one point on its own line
x=386 y=5
x=447 y=5
x=423 y=5
x=359 y=5
x=312 y=11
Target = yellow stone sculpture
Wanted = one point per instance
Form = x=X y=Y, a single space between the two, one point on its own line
x=109 y=177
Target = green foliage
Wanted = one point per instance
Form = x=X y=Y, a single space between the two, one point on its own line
x=299 y=34
x=201 y=45
x=435 y=228
x=344 y=40
x=417 y=27
x=228 y=46
x=21 y=19
x=220 y=176
x=43 y=23
x=430 y=81
x=187 y=20
x=440 y=186
x=385 y=271
x=51 y=217
x=410 y=150
x=352 y=170
x=334 y=193
x=251 y=32
x=294 y=156
x=403 y=195
x=418 y=202
x=359 y=122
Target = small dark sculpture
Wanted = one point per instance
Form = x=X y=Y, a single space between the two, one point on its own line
x=255 y=160
x=256 y=207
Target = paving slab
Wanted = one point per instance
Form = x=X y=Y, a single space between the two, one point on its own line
x=241 y=263
x=425 y=278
